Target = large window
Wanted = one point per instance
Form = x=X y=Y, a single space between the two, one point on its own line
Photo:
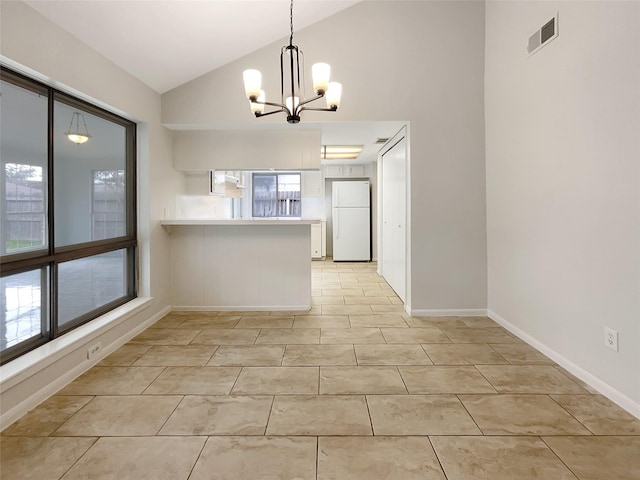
x=68 y=213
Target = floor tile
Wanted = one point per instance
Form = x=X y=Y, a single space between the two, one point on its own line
x=170 y=321
x=176 y=356
x=225 y=458
x=47 y=417
x=219 y=415
x=41 y=458
x=112 y=381
x=377 y=320
x=599 y=414
x=327 y=321
x=314 y=310
x=277 y=381
x=387 y=309
x=479 y=335
x=521 y=415
x=347 y=310
x=247 y=355
x=121 y=416
x=447 y=322
x=202 y=323
x=599 y=458
x=419 y=415
x=194 y=381
x=226 y=336
x=391 y=355
x=521 y=353
x=367 y=300
x=294 y=336
x=498 y=458
x=528 y=379
x=266 y=322
x=165 y=336
x=368 y=458
x=479 y=322
x=319 y=415
x=149 y=458
x=463 y=354
x=448 y=379
x=414 y=335
x=125 y=356
x=342 y=292
x=346 y=336
x=584 y=385
x=326 y=301
x=361 y=380
x=317 y=355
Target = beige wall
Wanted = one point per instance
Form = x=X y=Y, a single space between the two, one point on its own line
x=563 y=183
x=35 y=46
x=419 y=62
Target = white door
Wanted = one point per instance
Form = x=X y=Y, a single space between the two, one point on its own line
x=394 y=217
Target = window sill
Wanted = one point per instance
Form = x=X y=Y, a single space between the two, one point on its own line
x=32 y=362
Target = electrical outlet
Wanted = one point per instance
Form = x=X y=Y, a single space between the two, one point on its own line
x=92 y=352
x=611 y=338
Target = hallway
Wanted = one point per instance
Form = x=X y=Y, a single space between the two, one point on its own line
x=353 y=389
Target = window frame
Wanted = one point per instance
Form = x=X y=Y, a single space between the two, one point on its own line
x=51 y=256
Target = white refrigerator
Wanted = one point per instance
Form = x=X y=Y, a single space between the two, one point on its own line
x=351 y=221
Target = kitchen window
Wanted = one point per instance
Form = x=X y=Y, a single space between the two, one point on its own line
x=67 y=211
x=276 y=195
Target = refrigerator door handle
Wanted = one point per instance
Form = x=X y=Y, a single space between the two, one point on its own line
x=337 y=225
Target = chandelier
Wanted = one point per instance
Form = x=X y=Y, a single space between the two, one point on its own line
x=292 y=85
x=78 y=134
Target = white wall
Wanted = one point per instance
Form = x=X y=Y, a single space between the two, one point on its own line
x=421 y=62
x=33 y=45
x=563 y=183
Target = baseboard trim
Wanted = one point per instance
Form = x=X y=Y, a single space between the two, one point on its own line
x=258 y=308
x=605 y=389
x=29 y=403
x=468 y=312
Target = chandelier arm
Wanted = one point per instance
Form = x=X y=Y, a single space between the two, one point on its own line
x=309 y=100
x=332 y=109
x=258 y=114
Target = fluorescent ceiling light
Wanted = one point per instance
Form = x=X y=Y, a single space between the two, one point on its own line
x=340 y=152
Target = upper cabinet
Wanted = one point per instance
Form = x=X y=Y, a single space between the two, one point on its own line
x=204 y=150
x=345 y=171
x=312 y=183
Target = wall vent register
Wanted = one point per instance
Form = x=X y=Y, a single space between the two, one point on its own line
x=544 y=35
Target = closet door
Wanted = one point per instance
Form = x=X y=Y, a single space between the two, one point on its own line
x=394 y=217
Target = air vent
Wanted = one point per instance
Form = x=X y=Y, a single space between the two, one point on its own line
x=381 y=141
x=543 y=36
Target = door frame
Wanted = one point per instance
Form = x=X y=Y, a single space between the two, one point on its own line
x=392 y=142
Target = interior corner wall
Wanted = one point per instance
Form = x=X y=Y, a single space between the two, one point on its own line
x=35 y=46
x=563 y=183
x=419 y=62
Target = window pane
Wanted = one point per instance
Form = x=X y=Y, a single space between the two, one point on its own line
x=264 y=195
x=89 y=178
x=89 y=283
x=23 y=143
x=23 y=307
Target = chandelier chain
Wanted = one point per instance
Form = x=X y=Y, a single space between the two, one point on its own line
x=291 y=22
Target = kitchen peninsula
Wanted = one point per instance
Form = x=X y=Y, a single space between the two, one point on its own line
x=240 y=264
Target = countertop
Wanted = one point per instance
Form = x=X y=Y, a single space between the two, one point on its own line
x=239 y=221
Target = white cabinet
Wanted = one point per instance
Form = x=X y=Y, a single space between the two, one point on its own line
x=312 y=183
x=318 y=243
x=345 y=171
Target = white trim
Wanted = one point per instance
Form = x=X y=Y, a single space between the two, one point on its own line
x=605 y=389
x=243 y=308
x=31 y=363
x=468 y=312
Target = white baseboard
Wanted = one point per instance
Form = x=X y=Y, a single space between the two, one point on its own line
x=269 y=308
x=605 y=389
x=29 y=403
x=469 y=312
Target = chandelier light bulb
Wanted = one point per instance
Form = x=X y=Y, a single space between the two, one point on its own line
x=252 y=82
x=258 y=107
x=320 y=72
x=333 y=95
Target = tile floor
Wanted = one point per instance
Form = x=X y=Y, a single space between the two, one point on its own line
x=353 y=389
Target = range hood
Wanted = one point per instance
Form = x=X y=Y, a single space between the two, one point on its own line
x=226 y=184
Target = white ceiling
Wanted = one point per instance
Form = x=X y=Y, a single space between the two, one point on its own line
x=165 y=43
